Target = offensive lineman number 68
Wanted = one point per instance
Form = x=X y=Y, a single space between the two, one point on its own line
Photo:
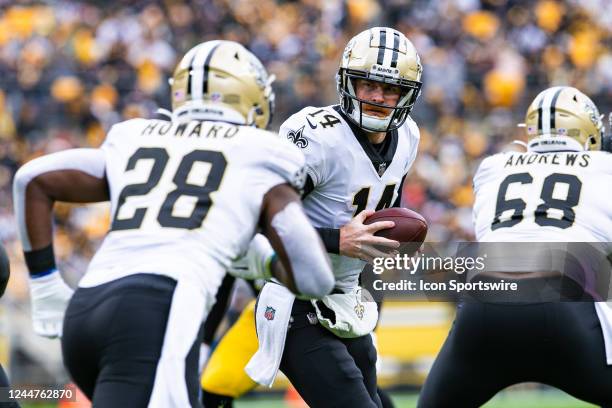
x=566 y=206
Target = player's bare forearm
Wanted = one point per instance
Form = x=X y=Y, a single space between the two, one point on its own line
x=280 y=273
x=38 y=209
x=63 y=185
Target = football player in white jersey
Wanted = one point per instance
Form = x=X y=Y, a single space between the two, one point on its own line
x=357 y=155
x=551 y=195
x=187 y=196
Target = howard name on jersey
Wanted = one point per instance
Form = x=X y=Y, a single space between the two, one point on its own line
x=544 y=197
x=186 y=198
x=348 y=175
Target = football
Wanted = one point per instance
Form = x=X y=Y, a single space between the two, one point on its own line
x=410 y=226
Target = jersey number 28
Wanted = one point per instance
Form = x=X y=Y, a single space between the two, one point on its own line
x=183 y=188
x=566 y=206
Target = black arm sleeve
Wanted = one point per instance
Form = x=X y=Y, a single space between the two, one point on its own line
x=5 y=270
x=218 y=310
x=330 y=238
x=398 y=200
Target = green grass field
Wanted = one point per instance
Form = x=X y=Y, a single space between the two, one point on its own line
x=508 y=399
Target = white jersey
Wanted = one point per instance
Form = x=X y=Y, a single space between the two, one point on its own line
x=539 y=198
x=345 y=179
x=186 y=199
x=545 y=197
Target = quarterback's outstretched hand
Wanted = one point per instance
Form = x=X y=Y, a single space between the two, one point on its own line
x=357 y=240
x=49 y=298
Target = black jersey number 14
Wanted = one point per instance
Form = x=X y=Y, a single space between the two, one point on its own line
x=360 y=199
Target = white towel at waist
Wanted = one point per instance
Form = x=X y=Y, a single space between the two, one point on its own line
x=271 y=319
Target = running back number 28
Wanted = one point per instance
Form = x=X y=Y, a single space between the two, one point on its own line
x=165 y=217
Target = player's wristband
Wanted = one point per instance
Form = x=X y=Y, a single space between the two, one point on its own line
x=40 y=262
x=330 y=238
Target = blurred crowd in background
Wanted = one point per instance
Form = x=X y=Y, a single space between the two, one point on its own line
x=69 y=70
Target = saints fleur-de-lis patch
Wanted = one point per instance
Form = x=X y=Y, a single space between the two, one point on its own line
x=359 y=310
x=297 y=139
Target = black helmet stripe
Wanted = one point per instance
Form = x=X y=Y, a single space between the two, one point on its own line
x=396 y=39
x=552 y=109
x=547 y=110
x=206 y=68
x=189 y=75
x=197 y=76
x=381 y=47
x=540 y=114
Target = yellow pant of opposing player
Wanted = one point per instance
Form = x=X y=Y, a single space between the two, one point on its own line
x=224 y=373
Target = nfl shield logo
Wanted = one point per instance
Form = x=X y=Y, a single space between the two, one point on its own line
x=269 y=313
